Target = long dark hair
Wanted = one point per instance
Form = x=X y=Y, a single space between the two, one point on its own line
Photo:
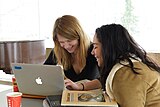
x=118 y=45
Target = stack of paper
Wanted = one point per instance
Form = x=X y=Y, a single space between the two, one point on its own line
x=5 y=78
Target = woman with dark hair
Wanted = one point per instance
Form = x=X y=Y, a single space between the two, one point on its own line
x=128 y=75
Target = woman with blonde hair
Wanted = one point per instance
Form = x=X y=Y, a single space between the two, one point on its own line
x=73 y=51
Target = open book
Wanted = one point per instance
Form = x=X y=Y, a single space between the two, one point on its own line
x=86 y=98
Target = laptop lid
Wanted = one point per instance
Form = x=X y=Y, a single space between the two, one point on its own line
x=36 y=79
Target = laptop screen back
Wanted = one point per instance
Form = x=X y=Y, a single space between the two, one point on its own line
x=36 y=79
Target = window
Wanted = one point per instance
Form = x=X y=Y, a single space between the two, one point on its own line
x=19 y=19
x=34 y=19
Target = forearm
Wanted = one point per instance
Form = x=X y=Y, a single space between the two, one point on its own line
x=94 y=84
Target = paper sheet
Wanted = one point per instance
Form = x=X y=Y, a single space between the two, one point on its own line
x=5 y=77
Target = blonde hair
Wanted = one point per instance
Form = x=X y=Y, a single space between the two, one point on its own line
x=69 y=27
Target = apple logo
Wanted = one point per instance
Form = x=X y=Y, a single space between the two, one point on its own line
x=38 y=80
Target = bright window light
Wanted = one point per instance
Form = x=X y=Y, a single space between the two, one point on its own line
x=34 y=19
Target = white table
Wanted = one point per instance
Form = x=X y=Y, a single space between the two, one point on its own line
x=4 y=89
x=26 y=102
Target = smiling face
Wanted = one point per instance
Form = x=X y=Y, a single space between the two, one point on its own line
x=97 y=51
x=70 y=45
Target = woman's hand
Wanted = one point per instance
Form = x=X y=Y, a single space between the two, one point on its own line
x=72 y=85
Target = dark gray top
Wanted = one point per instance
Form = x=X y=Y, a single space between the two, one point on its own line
x=89 y=72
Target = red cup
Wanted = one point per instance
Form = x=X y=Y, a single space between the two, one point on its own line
x=14 y=83
x=14 y=99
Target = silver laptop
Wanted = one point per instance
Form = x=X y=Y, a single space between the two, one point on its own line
x=36 y=79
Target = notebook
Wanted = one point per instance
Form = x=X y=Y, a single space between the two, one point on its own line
x=38 y=79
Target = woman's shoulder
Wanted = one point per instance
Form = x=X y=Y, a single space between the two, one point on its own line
x=146 y=73
x=143 y=74
x=140 y=68
x=132 y=84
